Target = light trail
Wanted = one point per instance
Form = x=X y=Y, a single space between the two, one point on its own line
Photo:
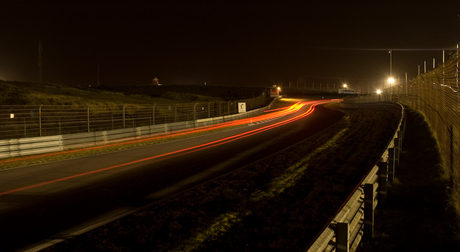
x=292 y=109
x=157 y=158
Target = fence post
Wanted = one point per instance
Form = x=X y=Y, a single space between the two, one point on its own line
x=87 y=117
x=124 y=112
x=369 y=211
x=220 y=110
x=153 y=114
x=342 y=236
x=194 y=111
x=40 y=120
x=228 y=108
x=391 y=164
x=383 y=182
x=175 y=113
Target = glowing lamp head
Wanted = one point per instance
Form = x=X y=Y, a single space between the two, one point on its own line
x=345 y=85
x=391 y=80
x=379 y=91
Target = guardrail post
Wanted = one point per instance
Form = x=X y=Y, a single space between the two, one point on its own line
x=342 y=236
x=397 y=142
x=391 y=164
x=369 y=211
x=400 y=136
x=383 y=182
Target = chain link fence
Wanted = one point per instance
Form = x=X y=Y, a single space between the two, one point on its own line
x=20 y=121
x=436 y=95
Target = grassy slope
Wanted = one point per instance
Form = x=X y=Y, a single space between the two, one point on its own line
x=23 y=93
x=418 y=215
x=277 y=204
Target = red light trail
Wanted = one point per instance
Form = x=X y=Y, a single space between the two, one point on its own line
x=294 y=108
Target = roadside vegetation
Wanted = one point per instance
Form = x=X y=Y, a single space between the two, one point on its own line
x=278 y=203
x=24 y=93
x=419 y=215
x=27 y=93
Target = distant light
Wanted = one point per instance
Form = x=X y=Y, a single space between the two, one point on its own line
x=11 y=115
x=279 y=88
x=378 y=91
x=391 y=80
x=345 y=85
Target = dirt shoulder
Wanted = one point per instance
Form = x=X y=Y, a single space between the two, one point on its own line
x=278 y=203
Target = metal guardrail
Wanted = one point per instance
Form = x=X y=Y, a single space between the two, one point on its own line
x=22 y=121
x=355 y=218
x=46 y=144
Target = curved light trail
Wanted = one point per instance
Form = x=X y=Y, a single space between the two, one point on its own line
x=129 y=165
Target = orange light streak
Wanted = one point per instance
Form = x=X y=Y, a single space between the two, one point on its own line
x=289 y=110
x=181 y=152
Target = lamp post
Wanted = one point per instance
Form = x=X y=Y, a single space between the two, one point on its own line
x=391 y=80
x=378 y=92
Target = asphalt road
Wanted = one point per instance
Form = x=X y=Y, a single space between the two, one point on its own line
x=60 y=199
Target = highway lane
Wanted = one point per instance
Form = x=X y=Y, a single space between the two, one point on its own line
x=56 y=199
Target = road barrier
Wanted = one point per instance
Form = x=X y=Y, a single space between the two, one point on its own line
x=46 y=144
x=355 y=218
x=22 y=121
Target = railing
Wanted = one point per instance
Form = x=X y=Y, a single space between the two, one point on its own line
x=355 y=218
x=39 y=145
x=22 y=121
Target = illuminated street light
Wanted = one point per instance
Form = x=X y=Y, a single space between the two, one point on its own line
x=391 y=80
x=378 y=92
x=345 y=86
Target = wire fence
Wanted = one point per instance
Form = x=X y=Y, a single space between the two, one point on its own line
x=20 y=121
x=436 y=95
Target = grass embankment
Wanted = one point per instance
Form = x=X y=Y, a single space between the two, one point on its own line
x=24 y=93
x=279 y=203
x=419 y=215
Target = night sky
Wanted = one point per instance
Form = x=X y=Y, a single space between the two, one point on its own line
x=250 y=43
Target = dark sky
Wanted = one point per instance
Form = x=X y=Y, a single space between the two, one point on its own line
x=223 y=42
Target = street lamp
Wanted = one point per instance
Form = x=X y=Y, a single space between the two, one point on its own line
x=378 y=92
x=345 y=86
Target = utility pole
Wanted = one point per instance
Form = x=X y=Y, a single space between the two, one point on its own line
x=40 y=63
x=391 y=63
